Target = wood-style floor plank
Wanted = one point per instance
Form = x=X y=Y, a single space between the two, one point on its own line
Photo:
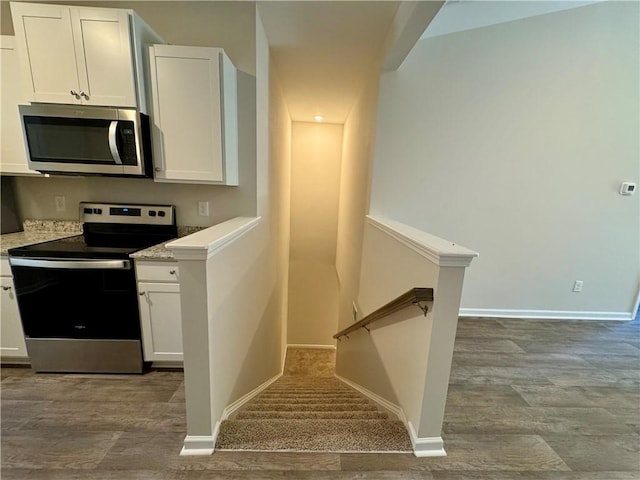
x=527 y=400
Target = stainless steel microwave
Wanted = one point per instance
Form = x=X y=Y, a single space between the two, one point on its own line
x=86 y=140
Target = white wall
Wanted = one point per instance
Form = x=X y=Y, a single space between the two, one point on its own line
x=406 y=357
x=513 y=140
x=280 y=188
x=233 y=299
x=316 y=150
x=355 y=181
x=230 y=25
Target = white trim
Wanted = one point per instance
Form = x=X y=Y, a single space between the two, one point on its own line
x=439 y=251
x=426 y=447
x=293 y=450
x=545 y=314
x=304 y=345
x=208 y=242
x=383 y=402
x=233 y=407
x=636 y=306
x=422 y=447
x=200 y=444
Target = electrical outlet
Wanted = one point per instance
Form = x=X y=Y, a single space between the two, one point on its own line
x=61 y=204
x=354 y=311
x=577 y=286
x=203 y=209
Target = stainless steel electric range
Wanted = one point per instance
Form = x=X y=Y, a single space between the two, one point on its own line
x=77 y=296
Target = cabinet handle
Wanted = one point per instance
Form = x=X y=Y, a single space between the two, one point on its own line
x=142 y=294
x=172 y=272
x=82 y=94
x=158 y=169
x=74 y=93
x=5 y=288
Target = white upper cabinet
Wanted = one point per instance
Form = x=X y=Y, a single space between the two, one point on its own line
x=194 y=115
x=13 y=157
x=80 y=55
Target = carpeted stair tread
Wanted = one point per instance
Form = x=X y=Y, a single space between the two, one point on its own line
x=313 y=435
x=287 y=407
x=329 y=415
x=312 y=400
x=292 y=393
x=312 y=412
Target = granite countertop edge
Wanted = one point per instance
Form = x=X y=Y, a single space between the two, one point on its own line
x=160 y=251
x=39 y=231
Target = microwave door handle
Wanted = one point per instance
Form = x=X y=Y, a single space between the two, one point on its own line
x=113 y=146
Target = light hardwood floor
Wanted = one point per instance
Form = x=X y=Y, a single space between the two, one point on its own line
x=528 y=400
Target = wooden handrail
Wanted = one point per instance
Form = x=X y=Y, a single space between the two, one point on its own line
x=412 y=297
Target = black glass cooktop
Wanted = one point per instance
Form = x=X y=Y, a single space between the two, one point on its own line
x=72 y=247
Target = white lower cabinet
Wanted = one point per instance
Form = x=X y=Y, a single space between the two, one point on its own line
x=12 y=344
x=160 y=316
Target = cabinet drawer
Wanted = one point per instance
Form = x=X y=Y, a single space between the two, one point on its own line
x=157 y=272
x=5 y=268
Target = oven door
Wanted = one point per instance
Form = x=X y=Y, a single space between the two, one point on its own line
x=79 y=299
x=82 y=140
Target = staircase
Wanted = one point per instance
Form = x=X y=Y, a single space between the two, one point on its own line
x=307 y=412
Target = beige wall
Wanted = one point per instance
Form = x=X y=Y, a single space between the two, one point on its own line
x=315 y=185
x=355 y=181
x=230 y=25
x=232 y=302
x=280 y=188
x=513 y=140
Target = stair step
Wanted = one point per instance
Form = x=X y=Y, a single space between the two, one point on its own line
x=314 y=435
x=309 y=400
x=327 y=407
x=270 y=414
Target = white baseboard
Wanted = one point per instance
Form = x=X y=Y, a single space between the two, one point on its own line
x=233 y=407
x=383 y=402
x=545 y=314
x=422 y=447
x=306 y=345
x=200 y=444
x=426 y=447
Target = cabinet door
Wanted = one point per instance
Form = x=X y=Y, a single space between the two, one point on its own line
x=11 y=335
x=103 y=56
x=13 y=156
x=161 y=321
x=45 y=44
x=187 y=120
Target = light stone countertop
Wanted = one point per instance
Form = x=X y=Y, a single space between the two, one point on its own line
x=39 y=231
x=160 y=252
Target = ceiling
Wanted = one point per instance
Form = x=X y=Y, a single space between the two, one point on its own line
x=324 y=52
x=461 y=15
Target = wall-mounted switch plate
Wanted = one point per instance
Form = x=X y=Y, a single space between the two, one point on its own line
x=577 y=286
x=203 y=209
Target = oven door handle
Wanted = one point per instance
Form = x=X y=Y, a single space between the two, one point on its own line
x=71 y=264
